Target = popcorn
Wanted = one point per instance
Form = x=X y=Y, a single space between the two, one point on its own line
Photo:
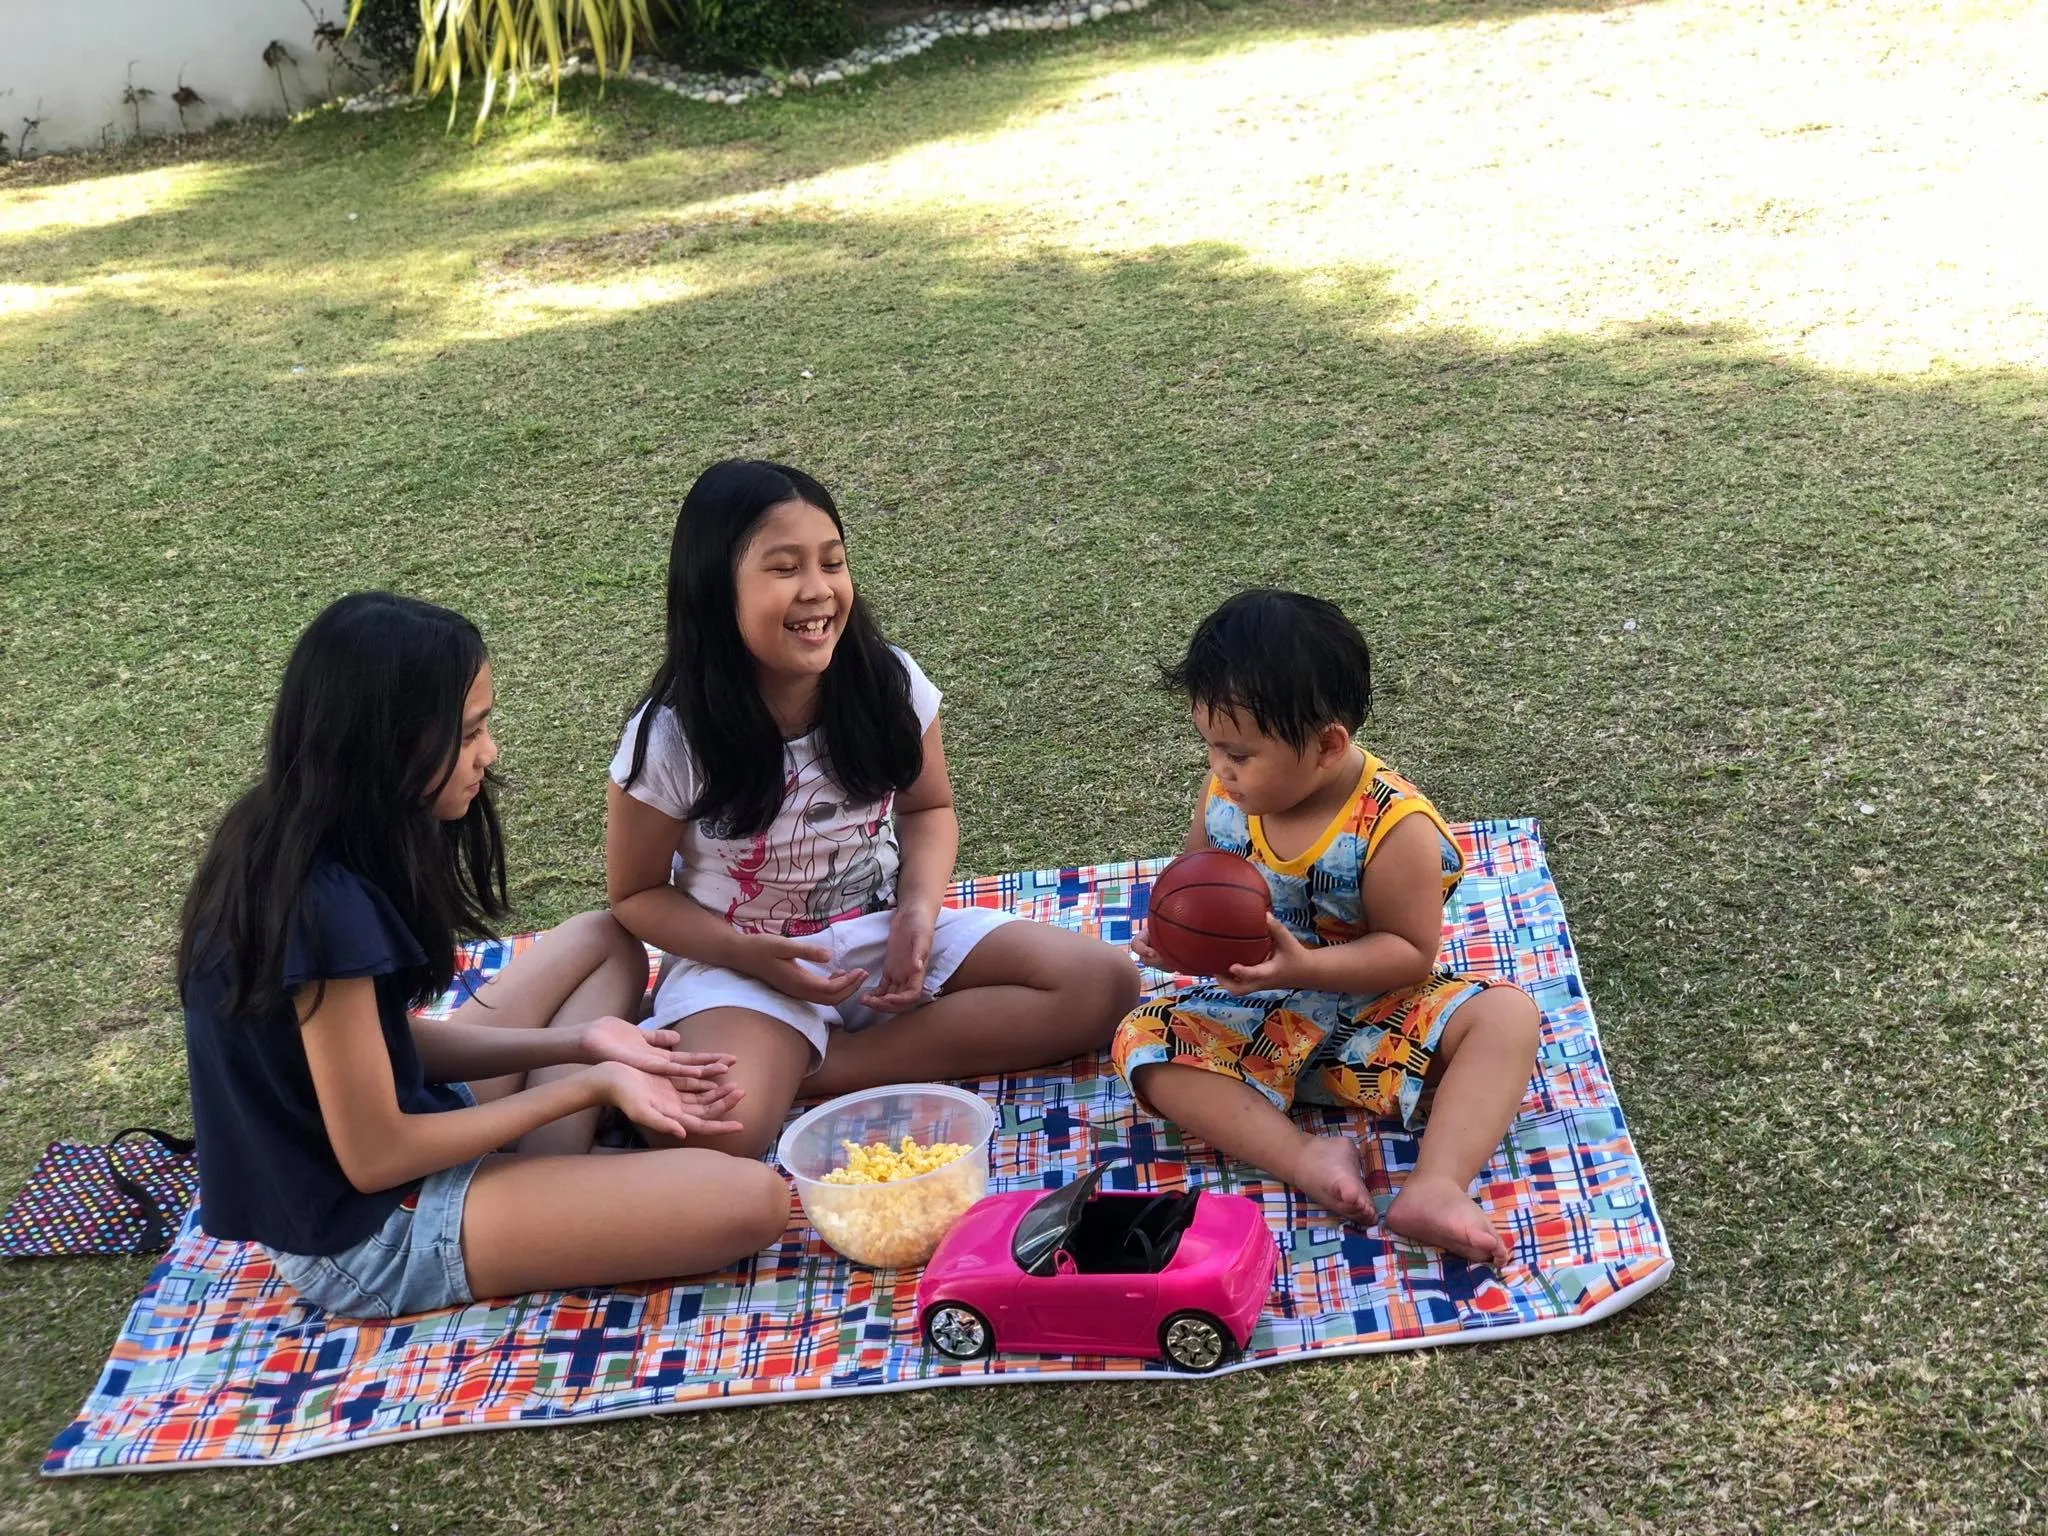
x=880 y=1210
x=883 y=1164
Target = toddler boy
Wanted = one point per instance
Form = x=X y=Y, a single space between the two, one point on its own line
x=1351 y=1008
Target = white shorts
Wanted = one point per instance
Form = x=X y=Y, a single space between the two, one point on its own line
x=690 y=987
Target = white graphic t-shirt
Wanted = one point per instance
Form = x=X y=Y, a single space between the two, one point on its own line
x=823 y=858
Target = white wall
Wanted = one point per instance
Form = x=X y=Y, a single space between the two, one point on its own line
x=72 y=57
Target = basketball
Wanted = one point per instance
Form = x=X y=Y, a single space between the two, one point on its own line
x=1208 y=912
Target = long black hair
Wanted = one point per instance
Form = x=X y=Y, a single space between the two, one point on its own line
x=364 y=734
x=867 y=724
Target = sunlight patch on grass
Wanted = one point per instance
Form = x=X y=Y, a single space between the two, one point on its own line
x=300 y=312
x=541 y=285
x=547 y=159
x=116 y=1058
x=103 y=200
x=35 y=298
x=493 y=175
x=516 y=309
x=1561 y=174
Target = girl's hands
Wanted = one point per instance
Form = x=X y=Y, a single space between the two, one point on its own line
x=780 y=962
x=679 y=1108
x=904 y=961
x=648 y=1050
x=706 y=1106
x=1279 y=971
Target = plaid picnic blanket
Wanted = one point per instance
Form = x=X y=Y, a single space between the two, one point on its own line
x=220 y=1364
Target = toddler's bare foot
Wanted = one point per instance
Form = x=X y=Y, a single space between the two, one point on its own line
x=1329 y=1174
x=1438 y=1214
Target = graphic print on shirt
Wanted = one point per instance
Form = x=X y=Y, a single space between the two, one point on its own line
x=745 y=871
x=825 y=856
x=841 y=862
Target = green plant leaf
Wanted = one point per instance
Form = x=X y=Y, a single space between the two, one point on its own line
x=508 y=42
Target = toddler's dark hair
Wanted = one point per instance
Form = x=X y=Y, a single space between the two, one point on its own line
x=1293 y=663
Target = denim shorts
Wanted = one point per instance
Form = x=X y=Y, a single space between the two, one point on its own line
x=413 y=1263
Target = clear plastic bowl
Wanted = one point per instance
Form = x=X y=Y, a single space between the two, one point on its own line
x=895 y=1225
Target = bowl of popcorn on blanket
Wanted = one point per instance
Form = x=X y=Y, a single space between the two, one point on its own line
x=883 y=1174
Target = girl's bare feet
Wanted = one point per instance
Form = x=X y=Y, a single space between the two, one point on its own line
x=1438 y=1214
x=1328 y=1172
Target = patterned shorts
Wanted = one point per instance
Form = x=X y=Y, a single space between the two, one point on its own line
x=1370 y=1053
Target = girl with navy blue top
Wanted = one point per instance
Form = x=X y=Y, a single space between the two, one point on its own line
x=391 y=1164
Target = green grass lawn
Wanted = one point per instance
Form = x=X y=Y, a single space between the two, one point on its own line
x=1663 y=385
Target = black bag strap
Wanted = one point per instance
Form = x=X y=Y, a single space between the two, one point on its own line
x=181 y=1146
x=156 y=1222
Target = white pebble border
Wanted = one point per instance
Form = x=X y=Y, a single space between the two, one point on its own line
x=898 y=43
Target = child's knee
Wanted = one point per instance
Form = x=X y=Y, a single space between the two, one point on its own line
x=760 y=1204
x=1523 y=1019
x=624 y=956
x=598 y=935
x=1174 y=1090
x=1108 y=986
x=1508 y=1018
x=1126 y=985
x=1145 y=1082
x=757 y=1133
x=620 y=946
x=735 y=1204
x=597 y=947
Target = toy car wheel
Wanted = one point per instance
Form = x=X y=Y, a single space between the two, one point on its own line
x=958 y=1332
x=1195 y=1341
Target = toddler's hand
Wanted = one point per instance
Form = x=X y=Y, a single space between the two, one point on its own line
x=901 y=984
x=778 y=961
x=1277 y=971
x=1147 y=955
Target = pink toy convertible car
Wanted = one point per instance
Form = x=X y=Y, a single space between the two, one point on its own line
x=1077 y=1272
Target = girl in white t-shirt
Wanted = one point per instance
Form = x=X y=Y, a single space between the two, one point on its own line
x=780 y=823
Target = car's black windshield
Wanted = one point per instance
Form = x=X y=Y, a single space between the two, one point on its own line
x=1043 y=1231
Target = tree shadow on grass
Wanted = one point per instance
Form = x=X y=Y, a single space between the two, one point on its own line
x=1645 y=582
x=1696 y=606
x=626 y=149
